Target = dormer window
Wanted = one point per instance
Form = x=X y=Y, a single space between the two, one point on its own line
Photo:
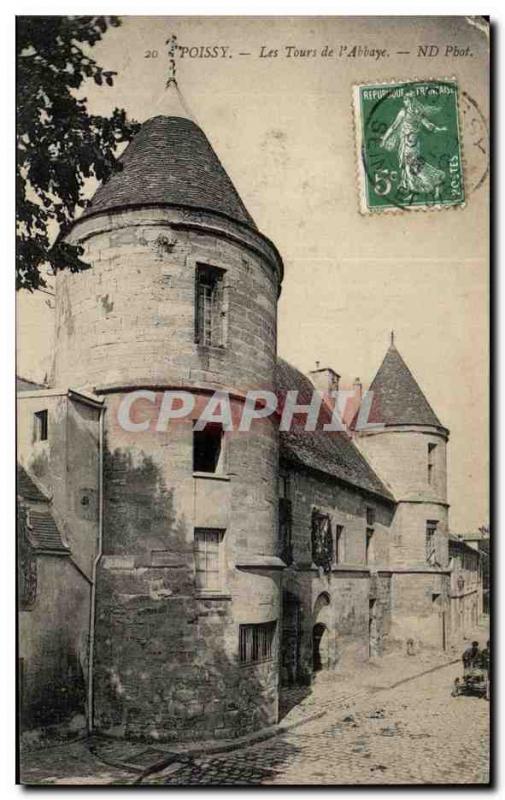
x=210 y=311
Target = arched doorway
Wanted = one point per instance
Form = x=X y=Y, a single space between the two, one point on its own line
x=320 y=647
x=321 y=633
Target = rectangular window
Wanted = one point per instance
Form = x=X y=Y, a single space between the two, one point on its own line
x=370 y=530
x=431 y=542
x=209 y=560
x=339 y=544
x=431 y=461
x=210 y=312
x=256 y=642
x=208 y=449
x=369 y=547
x=40 y=420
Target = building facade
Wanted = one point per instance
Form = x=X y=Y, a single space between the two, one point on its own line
x=216 y=564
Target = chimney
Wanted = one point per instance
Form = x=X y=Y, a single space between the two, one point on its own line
x=358 y=388
x=325 y=379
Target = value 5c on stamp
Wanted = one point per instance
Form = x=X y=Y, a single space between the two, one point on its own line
x=409 y=145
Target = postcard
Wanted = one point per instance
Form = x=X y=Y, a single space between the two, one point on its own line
x=253 y=532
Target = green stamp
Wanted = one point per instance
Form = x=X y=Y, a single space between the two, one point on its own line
x=409 y=145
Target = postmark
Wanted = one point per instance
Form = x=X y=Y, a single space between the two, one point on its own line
x=409 y=145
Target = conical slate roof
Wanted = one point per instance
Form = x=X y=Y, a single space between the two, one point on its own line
x=397 y=398
x=171 y=161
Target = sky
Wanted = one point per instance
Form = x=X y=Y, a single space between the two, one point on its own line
x=285 y=131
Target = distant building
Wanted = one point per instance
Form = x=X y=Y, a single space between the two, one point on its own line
x=470 y=584
x=197 y=571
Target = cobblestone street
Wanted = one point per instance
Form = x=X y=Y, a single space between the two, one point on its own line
x=410 y=733
x=414 y=733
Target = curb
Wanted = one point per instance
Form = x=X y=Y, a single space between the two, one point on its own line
x=414 y=677
x=190 y=752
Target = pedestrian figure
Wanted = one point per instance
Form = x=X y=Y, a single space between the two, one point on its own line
x=485 y=663
x=471 y=656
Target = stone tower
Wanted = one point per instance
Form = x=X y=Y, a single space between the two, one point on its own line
x=408 y=450
x=181 y=295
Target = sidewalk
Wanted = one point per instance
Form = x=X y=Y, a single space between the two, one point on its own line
x=99 y=760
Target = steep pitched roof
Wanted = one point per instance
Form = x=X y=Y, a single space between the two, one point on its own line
x=171 y=161
x=27 y=488
x=397 y=397
x=44 y=533
x=330 y=452
x=24 y=385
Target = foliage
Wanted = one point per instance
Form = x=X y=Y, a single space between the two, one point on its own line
x=59 y=144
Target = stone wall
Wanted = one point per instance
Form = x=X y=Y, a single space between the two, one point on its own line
x=400 y=456
x=346 y=506
x=419 y=589
x=408 y=539
x=66 y=464
x=343 y=598
x=53 y=642
x=130 y=320
x=465 y=589
x=167 y=663
x=53 y=634
x=420 y=609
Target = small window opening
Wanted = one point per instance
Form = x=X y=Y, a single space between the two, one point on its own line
x=369 y=547
x=431 y=462
x=370 y=539
x=209 y=561
x=40 y=418
x=208 y=449
x=256 y=642
x=339 y=544
x=431 y=542
x=210 y=313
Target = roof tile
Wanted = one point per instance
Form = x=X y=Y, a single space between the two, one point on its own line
x=331 y=452
x=44 y=533
x=27 y=488
x=171 y=161
x=397 y=398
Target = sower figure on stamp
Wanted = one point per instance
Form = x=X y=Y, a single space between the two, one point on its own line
x=404 y=134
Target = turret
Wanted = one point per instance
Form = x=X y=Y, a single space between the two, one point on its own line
x=181 y=294
x=406 y=444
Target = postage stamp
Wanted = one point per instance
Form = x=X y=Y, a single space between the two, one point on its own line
x=409 y=145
